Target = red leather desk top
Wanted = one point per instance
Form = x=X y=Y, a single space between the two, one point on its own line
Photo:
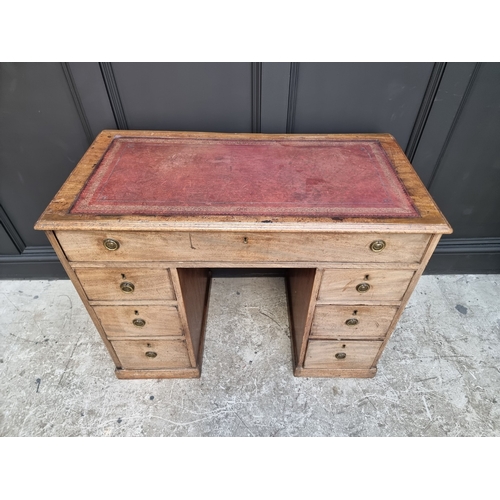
x=174 y=176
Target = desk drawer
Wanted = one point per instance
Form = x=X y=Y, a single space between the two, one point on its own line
x=126 y=283
x=364 y=284
x=151 y=354
x=344 y=322
x=344 y=354
x=139 y=321
x=242 y=246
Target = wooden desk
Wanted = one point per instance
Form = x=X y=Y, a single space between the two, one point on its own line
x=145 y=216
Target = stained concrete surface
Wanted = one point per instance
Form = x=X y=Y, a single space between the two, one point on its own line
x=439 y=375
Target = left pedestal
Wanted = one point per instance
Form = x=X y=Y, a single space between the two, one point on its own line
x=151 y=317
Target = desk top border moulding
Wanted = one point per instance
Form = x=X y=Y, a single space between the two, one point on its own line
x=58 y=216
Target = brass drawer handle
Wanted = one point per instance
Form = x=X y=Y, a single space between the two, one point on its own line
x=151 y=354
x=127 y=287
x=139 y=322
x=363 y=287
x=111 y=245
x=377 y=246
x=341 y=355
x=352 y=322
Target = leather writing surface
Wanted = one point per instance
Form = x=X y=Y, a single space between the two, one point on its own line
x=312 y=178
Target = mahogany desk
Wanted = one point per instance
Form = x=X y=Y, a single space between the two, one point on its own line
x=145 y=216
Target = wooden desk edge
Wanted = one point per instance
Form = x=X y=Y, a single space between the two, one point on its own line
x=57 y=217
x=334 y=372
x=158 y=374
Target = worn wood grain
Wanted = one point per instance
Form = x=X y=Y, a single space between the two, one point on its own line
x=128 y=374
x=160 y=321
x=104 y=284
x=237 y=264
x=334 y=372
x=339 y=322
x=237 y=246
x=169 y=354
x=345 y=354
x=146 y=302
x=192 y=289
x=302 y=287
x=341 y=284
x=359 y=302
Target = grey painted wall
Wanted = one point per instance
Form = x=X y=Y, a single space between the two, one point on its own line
x=446 y=116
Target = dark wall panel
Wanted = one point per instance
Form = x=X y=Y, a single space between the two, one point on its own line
x=212 y=97
x=444 y=110
x=466 y=184
x=93 y=96
x=7 y=246
x=11 y=242
x=447 y=115
x=275 y=85
x=360 y=97
x=41 y=140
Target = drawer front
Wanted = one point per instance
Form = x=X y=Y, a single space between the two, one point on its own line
x=239 y=246
x=139 y=321
x=344 y=322
x=151 y=354
x=344 y=354
x=126 y=283
x=364 y=284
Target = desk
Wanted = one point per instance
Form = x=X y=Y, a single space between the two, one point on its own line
x=145 y=216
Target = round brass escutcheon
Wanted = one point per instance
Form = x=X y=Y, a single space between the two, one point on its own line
x=377 y=245
x=138 y=322
x=363 y=287
x=352 y=322
x=127 y=287
x=341 y=355
x=111 y=245
x=151 y=354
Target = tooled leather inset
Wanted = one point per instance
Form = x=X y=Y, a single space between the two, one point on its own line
x=310 y=178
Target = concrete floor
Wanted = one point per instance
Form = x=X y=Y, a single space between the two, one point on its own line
x=439 y=375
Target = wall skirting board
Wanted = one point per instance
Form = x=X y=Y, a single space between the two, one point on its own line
x=36 y=262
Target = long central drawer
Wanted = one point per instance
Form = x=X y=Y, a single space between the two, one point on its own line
x=239 y=246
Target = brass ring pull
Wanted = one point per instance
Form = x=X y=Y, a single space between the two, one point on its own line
x=151 y=354
x=377 y=246
x=138 y=322
x=352 y=322
x=363 y=287
x=341 y=355
x=111 y=245
x=127 y=287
